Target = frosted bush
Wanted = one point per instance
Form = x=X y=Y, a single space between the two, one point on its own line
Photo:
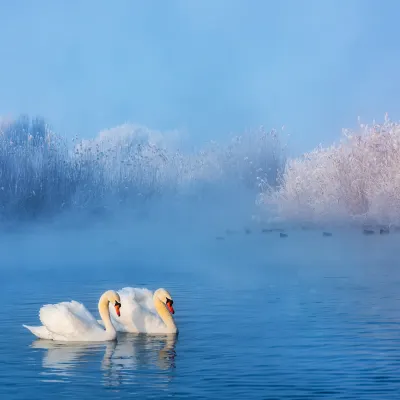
x=356 y=181
x=32 y=163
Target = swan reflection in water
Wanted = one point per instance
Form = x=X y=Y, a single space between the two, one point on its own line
x=120 y=358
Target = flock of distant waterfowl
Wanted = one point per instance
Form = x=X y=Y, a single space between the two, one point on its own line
x=366 y=231
x=382 y=231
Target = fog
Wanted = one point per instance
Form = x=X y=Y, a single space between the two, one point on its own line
x=184 y=121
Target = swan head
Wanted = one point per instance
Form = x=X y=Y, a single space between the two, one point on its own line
x=115 y=300
x=165 y=297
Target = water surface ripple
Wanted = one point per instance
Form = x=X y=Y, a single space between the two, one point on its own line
x=256 y=322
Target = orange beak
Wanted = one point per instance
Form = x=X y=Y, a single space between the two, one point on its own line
x=170 y=308
x=117 y=307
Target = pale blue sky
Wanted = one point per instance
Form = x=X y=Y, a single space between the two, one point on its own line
x=208 y=67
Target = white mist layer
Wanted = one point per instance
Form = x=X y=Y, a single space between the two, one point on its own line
x=128 y=169
x=134 y=173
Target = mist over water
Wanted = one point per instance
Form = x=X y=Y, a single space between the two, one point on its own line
x=128 y=168
x=134 y=170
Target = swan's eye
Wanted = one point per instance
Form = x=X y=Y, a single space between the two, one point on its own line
x=169 y=301
x=117 y=304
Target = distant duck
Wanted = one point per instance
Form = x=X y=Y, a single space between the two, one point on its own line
x=269 y=230
x=384 y=231
x=368 y=232
x=283 y=235
x=326 y=234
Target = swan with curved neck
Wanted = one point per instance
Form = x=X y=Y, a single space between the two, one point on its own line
x=163 y=304
x=107 y=298
x=71 y=321
x=145 y=312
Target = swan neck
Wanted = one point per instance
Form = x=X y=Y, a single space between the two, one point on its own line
x=104 y=312
x=165 y=315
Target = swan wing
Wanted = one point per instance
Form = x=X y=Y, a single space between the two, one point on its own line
x=39 y=331
x=135 y=306
x=139 y=297
x=68 y=319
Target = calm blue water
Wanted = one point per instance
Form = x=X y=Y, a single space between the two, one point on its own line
x=260 y=317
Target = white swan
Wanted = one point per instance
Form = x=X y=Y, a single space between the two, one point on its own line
x=145 y=312
x=72 y=322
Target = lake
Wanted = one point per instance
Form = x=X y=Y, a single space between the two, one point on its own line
x=260 y=317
